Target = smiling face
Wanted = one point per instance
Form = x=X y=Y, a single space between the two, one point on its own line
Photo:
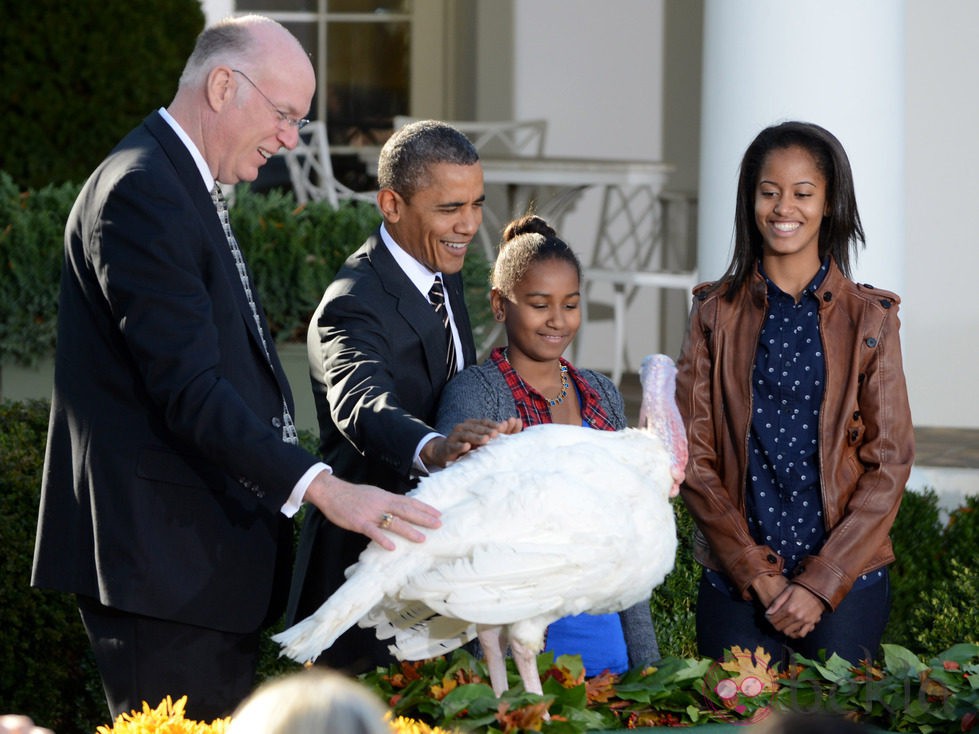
x=790 y=203
x=249 y=128
x=440 y=220
x=542 y=315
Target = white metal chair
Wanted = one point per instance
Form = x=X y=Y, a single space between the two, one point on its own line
x=504 y=139
x=645 y=240
x=311 y=170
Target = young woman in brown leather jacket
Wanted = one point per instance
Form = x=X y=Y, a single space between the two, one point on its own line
x=792 y=389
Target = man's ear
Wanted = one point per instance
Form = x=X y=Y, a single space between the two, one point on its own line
x=390 y=203
x=220 y=87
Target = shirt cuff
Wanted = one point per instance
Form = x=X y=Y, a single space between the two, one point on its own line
x=417 y=461
x=295 y=501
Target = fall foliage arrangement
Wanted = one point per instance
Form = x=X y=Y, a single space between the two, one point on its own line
x=452 y=693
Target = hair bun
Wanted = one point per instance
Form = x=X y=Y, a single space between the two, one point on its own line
x=528 y=224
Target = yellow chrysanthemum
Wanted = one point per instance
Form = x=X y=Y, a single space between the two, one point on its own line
x=167 y=718
x=404 y=725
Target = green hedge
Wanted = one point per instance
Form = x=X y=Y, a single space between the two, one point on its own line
x=46 y=669
x=32 y=225
x=46 y=666
x=76 y=75
x=293 y=251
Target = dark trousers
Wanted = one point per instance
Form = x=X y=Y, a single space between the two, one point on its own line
x=146 y=659
x=853 y=630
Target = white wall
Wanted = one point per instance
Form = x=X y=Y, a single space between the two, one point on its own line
x=940 y=311
x=594 y=71
x=215 y=10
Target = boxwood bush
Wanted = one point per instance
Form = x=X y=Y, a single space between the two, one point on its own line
x=293 y=252
x=32 y=225
x=47 y=669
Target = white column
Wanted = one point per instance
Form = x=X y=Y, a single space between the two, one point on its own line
x=215 y=10
x=837 y=63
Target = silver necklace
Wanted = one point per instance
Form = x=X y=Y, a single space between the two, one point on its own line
x=565 y=385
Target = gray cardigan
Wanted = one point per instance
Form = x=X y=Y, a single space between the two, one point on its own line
x=480 y=391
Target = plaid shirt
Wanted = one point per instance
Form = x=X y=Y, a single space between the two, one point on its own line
x=533 y=408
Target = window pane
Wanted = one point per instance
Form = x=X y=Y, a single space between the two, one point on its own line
x=369 y=6
x=274 y=6
x=367 y=80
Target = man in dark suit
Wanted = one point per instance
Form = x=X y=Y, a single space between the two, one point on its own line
x=380 y=354
x=172 y=463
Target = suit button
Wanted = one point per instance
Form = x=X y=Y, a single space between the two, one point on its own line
x=277 y=422
x=871 y=342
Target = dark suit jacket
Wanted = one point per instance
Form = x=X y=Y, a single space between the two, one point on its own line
x=165 y=469
x=377 y=365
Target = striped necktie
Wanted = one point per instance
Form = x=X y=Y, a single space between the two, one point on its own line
x=437 y=298
x=289 y=434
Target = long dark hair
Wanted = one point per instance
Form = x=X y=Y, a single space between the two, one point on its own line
x=840 y=233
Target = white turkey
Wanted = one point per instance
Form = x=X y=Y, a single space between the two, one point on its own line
x=553 y=521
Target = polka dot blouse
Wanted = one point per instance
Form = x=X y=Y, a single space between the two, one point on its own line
x=784 y=504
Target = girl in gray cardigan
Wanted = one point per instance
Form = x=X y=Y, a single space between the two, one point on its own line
x=535 y=294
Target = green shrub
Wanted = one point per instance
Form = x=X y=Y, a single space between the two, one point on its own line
x=77 y=76
x=917 y=538
x=962 y=533
x=675 y=600
x=935 y=579
x=947 y=606
x=32 y=226
x=948 y=611
x=294 y=251
x=46 y=666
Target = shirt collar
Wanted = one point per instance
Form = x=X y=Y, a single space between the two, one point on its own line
x=418 y=274
x=809 y=290
x=202 y=166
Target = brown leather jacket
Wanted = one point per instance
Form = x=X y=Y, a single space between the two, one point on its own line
x=866 y=441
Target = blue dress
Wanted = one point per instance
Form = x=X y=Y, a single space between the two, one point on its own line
x=597 y=638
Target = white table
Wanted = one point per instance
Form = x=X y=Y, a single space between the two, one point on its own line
x=555 y=184
x=547 y=171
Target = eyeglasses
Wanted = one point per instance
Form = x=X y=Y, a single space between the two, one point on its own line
x=283 y=117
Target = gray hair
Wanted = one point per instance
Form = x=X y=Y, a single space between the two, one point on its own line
x=228 y=41
x=407 y=155
x=310 y=702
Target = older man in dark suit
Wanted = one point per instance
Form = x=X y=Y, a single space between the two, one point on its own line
x=172 y=463
x=390 y=331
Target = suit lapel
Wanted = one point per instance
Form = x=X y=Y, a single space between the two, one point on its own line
x=412 y=306
x=190 y=177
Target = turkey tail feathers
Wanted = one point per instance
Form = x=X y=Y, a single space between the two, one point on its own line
x=304 y=641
